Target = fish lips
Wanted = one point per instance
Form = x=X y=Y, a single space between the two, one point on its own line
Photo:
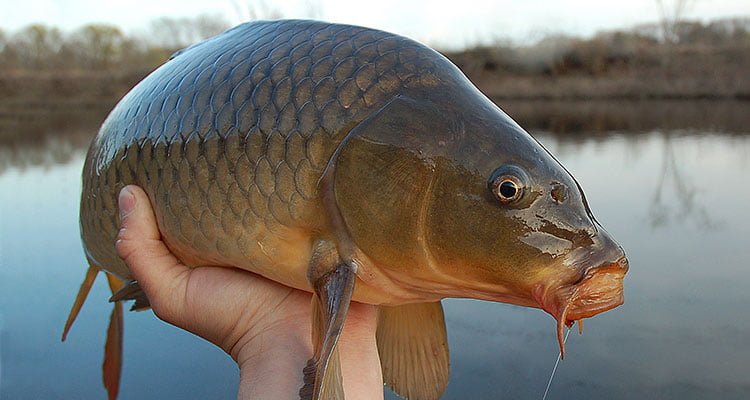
x=599 y=290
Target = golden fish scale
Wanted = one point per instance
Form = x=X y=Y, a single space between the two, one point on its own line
x=231 y=136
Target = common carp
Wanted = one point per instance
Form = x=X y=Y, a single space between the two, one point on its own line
x=355 y=164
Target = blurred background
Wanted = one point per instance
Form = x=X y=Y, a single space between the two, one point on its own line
x=646 y=102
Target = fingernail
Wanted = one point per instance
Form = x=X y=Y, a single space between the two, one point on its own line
x=126 y=202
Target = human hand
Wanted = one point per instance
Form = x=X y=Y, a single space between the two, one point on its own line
x=264 y=326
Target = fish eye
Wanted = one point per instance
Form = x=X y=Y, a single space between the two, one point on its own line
x=507 y=188
x=507 y=184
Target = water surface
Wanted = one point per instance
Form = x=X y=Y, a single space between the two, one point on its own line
x=675 y=196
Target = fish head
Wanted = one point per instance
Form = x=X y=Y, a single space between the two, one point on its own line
x=462 y=201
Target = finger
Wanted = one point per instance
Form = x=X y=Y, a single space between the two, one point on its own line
x=139 y=244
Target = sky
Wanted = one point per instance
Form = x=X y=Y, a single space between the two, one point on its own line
x=437 y=22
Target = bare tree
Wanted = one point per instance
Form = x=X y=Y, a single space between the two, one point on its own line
x=174 y=33
x=670 y=17
x=6 y=56
x=167 y=32
x=250 y=10
x=36 y=46
x=205 y=26
x=97 y=46
x=313 y=9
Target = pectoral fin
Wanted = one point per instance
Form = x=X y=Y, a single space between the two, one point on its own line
x=333 y=292
x=413 y=347
x=132 y=291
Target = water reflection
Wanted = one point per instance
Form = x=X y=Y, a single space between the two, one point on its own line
x=48 y=136
x=676 y=199
x=585 y=120
x=49 y=152
x=687 y=204
x=44 y=134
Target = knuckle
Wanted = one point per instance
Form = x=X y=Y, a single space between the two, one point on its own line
x=125 y=248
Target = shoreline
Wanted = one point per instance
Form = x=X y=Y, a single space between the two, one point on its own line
x=92 y=88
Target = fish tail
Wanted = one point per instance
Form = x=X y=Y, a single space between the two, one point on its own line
x=112 y=366
x=83 y=292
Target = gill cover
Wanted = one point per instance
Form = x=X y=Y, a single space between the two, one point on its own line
x=383 y=175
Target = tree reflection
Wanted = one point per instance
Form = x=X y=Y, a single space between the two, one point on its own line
x=37 y=135
x=47 y=153
x=685 y=204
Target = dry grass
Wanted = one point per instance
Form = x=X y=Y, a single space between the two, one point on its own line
x=683 y=72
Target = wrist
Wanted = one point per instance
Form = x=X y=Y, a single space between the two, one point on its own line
x=271 y=362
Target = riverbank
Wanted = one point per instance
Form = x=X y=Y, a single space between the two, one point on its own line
x=699 y=61
x=693 y=73
x=657 y=71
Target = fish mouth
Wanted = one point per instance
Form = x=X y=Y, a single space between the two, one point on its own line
x=599 y=290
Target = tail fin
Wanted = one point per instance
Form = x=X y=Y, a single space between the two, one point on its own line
x=112 y=367
x=88 y=281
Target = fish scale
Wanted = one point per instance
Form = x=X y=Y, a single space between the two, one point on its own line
x=230 y=138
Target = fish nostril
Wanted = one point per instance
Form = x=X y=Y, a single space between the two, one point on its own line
x=623 y=263
x=559 y=193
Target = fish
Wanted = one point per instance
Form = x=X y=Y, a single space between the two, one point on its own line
x=354 y=164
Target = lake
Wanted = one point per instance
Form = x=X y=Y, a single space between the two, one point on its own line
x=669 y=180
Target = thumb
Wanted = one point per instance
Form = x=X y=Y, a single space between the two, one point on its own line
x=139 y=244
